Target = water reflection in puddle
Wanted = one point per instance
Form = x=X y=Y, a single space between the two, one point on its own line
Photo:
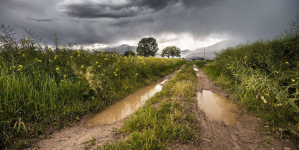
x=125 y=107
x=217 y=107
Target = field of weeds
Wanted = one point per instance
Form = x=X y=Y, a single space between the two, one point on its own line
x=42 y=86
x=264 y=75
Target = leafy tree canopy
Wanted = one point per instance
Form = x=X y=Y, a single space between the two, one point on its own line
x=147 y=47
x=172 y=51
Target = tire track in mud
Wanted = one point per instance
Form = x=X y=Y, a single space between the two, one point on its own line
x=79 y=137
x=249 y=132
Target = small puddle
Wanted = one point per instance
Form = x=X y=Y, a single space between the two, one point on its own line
x=125 y=107
x=217 y=107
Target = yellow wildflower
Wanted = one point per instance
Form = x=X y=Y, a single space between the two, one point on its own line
x=20 y=67
x=64 y=76
x=105 y=59
x=62 y=47
x=57 y=69
x=263 y=98
x=97 y=62
x=287 y=63
x=55 y=57
x=82 y=66
x=50 y=49
x=61 y=80
x=71 y=57
x=99 y=66
x=293 y=80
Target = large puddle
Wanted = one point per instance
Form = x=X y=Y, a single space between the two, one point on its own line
x=217 y=107
x=125 y=107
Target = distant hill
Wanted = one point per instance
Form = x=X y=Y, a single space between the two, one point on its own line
x=121 y=49
x=210 y=50
x=185 y=52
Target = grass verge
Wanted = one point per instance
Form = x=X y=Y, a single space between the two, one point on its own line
x=264 y=76
x=165 y=119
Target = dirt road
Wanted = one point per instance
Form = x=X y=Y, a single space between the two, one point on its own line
x=247 y=131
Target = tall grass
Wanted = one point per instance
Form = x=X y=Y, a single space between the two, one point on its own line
x=50 y=86
x=265 y=76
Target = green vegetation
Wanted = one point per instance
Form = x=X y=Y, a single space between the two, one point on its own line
x=41 y=86
x=129 y=53
x=202 y=63
x=172 y=51
x=264 y=75
x=147 y=47
x=167 y=118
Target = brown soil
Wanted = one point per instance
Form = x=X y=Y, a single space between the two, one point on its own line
x=249 y=132
x=79 y=137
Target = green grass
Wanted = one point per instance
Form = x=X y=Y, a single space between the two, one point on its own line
x=45 y=87
x=169 y=121
x=264 y=76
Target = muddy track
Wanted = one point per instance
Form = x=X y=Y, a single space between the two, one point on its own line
x=79 y=137
x=249 y=132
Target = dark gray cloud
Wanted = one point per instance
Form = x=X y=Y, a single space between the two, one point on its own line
x=111 y=21
x=129 y=9
x=40 y=19
x=103 y=10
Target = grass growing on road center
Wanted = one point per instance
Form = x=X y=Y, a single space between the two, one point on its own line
x=166 y=118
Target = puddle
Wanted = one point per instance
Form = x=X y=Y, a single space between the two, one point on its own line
x=195 y=69
x=125 y=107
x=217 y=107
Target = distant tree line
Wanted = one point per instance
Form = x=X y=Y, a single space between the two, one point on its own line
x=149 y=47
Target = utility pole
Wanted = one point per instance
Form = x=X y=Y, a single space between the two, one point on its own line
x=204 y=54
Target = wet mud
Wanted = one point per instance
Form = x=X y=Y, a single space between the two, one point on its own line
x=125 y=107
x=217 y=107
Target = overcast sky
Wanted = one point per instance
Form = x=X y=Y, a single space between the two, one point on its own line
x=188 y=24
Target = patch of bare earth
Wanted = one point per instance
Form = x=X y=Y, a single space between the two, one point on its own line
x=249 y=132
x=79 y=137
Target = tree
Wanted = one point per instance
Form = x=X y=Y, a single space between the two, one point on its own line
x=129 y=53
x=147 y=47
x=171 y=51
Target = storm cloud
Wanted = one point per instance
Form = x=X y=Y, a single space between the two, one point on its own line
x=111 y=21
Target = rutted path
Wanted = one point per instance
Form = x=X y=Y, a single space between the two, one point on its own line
x=248 y=132
x=79 y=137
